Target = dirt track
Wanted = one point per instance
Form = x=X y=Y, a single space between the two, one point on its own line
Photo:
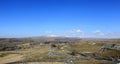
x=10 y=58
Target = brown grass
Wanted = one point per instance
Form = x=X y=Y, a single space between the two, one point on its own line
x=39 y=53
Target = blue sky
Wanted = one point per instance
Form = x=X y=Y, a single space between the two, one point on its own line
x=72 y=18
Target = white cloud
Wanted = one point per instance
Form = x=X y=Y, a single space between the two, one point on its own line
x=77 y=31
x=52 y=35
x=98 y=32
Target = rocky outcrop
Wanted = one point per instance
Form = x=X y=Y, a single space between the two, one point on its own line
x=108 y=52
x=110 y=46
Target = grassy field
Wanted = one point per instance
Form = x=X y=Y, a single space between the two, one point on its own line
x=40 y=52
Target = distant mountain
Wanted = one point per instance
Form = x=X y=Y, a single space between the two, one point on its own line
x=46 y=39
x=39 y=39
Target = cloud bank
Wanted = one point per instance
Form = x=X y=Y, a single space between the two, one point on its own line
x=91 y=34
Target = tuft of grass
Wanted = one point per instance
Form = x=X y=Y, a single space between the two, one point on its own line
x=5 y=54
